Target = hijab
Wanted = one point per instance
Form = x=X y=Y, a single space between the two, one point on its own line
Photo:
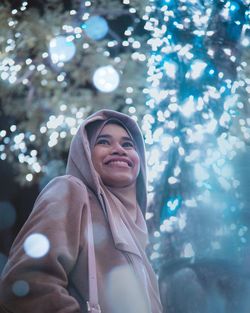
x=125 y=216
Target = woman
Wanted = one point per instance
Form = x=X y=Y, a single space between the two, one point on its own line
x=106 y=179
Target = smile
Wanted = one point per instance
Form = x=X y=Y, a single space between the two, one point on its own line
x=118 y=163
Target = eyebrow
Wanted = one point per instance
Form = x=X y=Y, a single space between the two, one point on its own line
x=109 y=136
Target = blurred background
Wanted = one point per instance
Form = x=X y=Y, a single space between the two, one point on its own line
x=181 y=70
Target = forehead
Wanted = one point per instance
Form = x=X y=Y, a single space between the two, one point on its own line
x=114 y=130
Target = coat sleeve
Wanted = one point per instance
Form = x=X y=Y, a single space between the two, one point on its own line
x=35 y=277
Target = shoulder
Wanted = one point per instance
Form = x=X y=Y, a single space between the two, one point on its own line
x=63 y=188
x=65 y=181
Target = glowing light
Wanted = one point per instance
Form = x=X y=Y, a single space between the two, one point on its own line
x=171 y=69
x=234 y=6
x=149 y=215
x=188 y=251
x=128 y=100
x=85 y=45
x=171 y=124
x=191 y=203
x=70 y=121
x=96 y=27
x=225 y=119
x=188 y=108
x=173 y=204
x=230 y=101
x=154 y=156
x=211 y=126
x=43 y=129
x=157 y=234
x=3 y=156
x=3 y=133
x=61 y=49
x=4 y=75
x=106 y=78
x=172 y=180
x=157 y=134
x=54 y=121
x=245 y=42
x=29 y=177
x=73 y=131
x=156 y=246
x=36 y=245
x=197 y=69
x=213 y=92
x=225 y=184
x=166 y=142
x=20 y=288
x=129 y=90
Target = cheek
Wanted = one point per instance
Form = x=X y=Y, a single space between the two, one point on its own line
x=96 y=158
x=136 y=161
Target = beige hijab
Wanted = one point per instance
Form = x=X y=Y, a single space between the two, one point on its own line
x=124 y=215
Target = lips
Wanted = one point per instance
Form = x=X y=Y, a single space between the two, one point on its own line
x=119 y=162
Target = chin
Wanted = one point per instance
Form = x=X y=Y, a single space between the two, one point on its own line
x=118 y=182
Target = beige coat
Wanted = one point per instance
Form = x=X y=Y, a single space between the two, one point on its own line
x=53 y=277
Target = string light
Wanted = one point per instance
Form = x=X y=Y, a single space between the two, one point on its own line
x=176 y=65
x=191 y=103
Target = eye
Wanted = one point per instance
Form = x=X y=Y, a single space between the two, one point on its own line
x=102 y=142
x=128 y=144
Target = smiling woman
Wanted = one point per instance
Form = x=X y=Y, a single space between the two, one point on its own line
x=91 y=228
x=115 y=157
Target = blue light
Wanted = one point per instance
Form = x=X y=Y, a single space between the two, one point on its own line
x=247 y=15
x=211 y=72
x=171 y=207
x=234 y=6
x=96 y=27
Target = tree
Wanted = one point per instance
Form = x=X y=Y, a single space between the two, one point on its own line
x=179 y=68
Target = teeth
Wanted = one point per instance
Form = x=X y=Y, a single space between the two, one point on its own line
x=119 y=163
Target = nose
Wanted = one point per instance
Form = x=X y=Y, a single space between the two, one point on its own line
x=118 y=149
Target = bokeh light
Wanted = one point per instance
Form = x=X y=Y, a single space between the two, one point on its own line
x=106 y=78
x=96 y=27
x=61 y=49
x=36 y=245
x=191 y=71
x=20 y=288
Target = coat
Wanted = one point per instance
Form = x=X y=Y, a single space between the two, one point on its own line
x=47 y=270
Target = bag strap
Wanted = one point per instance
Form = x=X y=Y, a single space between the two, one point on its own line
x=92 y=305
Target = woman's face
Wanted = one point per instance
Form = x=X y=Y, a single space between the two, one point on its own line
x=115 y=157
